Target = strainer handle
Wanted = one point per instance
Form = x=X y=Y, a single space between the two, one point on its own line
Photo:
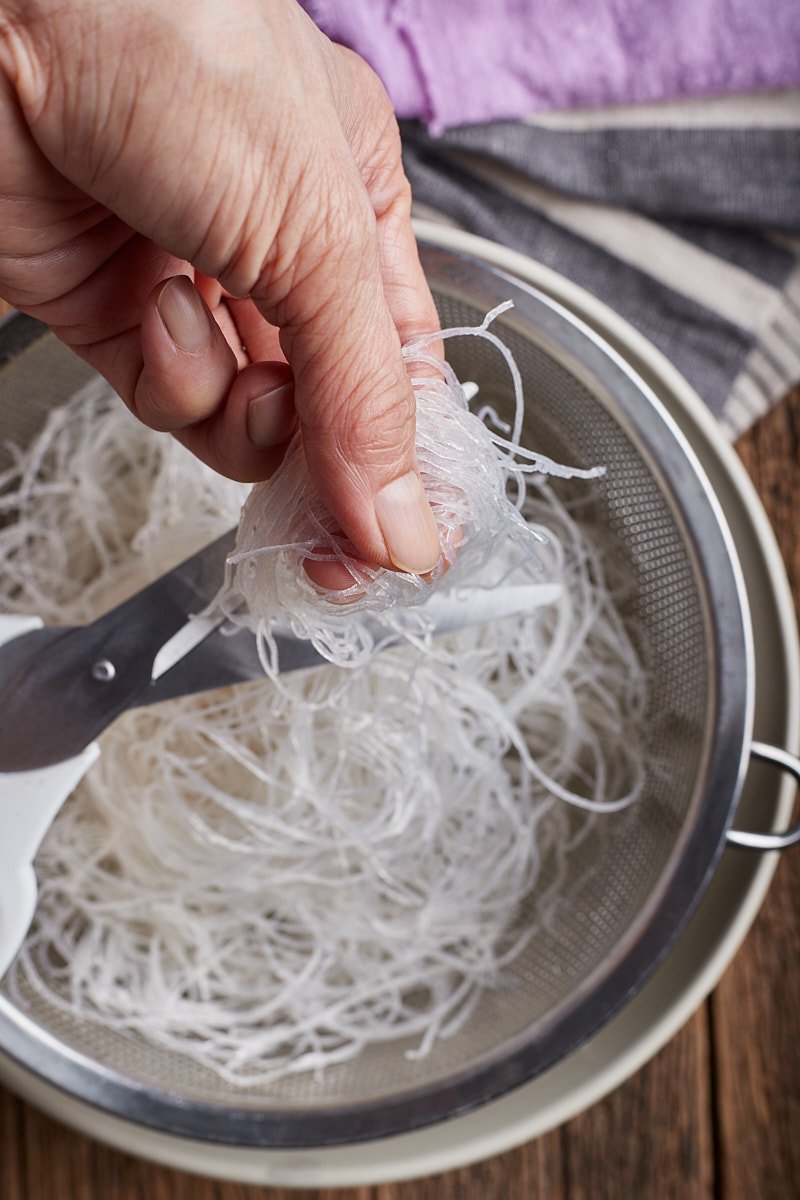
x=770 y=841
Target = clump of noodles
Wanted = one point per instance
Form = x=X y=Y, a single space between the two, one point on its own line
x=98 y=506
x=269 y=879
x=466 y=466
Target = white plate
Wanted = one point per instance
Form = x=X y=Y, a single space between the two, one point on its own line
x=703 y=952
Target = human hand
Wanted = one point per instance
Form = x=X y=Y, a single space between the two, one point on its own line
x=207 y=203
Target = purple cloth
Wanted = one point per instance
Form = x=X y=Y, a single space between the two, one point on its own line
x=455 y=62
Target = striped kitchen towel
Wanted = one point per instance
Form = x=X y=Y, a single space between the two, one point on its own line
x=682 y=216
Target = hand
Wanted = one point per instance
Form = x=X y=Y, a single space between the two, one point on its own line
x=207 y=203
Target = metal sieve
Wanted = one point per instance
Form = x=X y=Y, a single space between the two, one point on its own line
x=631 y=884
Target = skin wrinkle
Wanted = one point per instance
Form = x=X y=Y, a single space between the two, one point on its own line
x=383 y=173
x=350 y=90
x=392 y=226
x=51 y=233
x=106 y=163
x=72 y=53
x=330 y=238
x=235 y=273
x=18 y=62
x=260 y=223
x=224 y=257
x=382 y=169
x=125 y=361
x=338 y=320
x=272 y=278
x=230 y=253
x=257 y=233
x=69 y=108
x=370 y=416
x=340 y=401
x=216 y=446
x=163 y=202
x=183 y=87
x=380 y=442
x=117 y=311
x=398 y=205
x=353 y=406
x=51 y=263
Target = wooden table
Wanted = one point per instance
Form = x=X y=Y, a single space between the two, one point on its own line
x=715 y=1115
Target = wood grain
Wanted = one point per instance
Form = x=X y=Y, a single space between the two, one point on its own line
x=653 y=1137
x=756 y=1008
x=715 y=1114
x=622 y=1147
x=43 y=1160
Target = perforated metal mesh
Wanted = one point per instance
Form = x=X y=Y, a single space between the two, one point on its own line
x=618 y=869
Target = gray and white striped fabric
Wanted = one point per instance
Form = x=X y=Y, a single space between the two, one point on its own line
x=683 y=217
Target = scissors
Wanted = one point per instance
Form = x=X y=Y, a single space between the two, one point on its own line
x=61 y=687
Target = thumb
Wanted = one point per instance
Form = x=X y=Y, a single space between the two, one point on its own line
x=353 y=394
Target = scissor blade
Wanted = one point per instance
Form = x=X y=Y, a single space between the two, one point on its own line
x=231 y=656
x=187 y=639
x=60 y=688
x=228 y=656
x=56 y=701
x=467 y=606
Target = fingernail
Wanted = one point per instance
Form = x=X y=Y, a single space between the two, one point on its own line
x=407 y=525
x=270 y=417
x=184 y=315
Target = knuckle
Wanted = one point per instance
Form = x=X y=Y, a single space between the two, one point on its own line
x=348 y=223
x=239 y=241
x=300 y=258
x=317 y=267
x=153 y=409
x=378 y=442
x=223 y=455
x=367 y=87
x=374 y=137
x=373 y=425
x=24 y=278
x=249 y=199
x=388 y=187
x=342 y=254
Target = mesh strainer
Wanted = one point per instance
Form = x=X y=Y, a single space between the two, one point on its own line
x=631 y=885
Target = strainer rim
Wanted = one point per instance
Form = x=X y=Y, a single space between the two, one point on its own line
x=498 y=1071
